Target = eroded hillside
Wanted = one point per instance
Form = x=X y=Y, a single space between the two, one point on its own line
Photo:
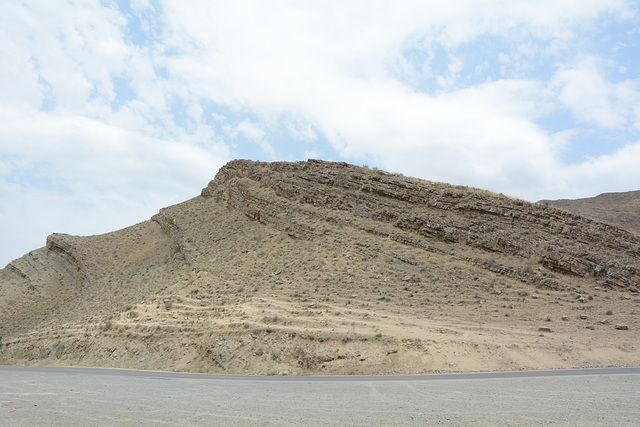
x=330 y=268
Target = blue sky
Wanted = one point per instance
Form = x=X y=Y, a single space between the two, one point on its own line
x=111 y=110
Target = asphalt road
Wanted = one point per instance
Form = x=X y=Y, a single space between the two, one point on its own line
x=93 y=396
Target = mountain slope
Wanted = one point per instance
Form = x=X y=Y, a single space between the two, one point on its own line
x=330 y=268
x=620 y=209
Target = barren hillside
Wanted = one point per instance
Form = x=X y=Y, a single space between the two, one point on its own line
x=620 y=209
x=318 y=267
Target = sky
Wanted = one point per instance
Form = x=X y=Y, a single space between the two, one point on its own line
x=111 y=110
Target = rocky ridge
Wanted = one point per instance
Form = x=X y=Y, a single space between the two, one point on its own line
x=431 y=216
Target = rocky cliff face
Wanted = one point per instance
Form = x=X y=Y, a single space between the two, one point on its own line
x=300 y=197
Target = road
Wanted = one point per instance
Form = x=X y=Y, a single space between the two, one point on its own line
x=45 y=396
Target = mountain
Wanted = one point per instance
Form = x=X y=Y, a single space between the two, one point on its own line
x=329 y=268
x=620 y=209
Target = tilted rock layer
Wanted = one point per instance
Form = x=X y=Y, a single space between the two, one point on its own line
x=417 y=212
x=329 y=268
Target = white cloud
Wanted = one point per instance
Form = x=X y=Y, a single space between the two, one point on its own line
x=87 y=177
x=73 y=56
x=301 y=131
x=255 y=134
x=83 y=151
x=122 y=129
x=456 y=137
x=334 y=67
x=592 y=99
x=453 y=70
x=250 y=131
x=607 y=173
x=139 y=5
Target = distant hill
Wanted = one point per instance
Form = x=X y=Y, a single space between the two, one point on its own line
x=620 y=209
x=329 y=268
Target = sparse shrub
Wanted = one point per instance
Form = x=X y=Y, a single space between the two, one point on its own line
x=378 y=336
x=609 y=312
x=268 y=319
x=523 y=293
x=347 y=338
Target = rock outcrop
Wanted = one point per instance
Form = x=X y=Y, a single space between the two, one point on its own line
x=298 y=197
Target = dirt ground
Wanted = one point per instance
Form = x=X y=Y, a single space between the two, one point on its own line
x=492 y=329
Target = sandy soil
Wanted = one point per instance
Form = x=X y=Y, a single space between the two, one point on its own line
x=496 y=330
